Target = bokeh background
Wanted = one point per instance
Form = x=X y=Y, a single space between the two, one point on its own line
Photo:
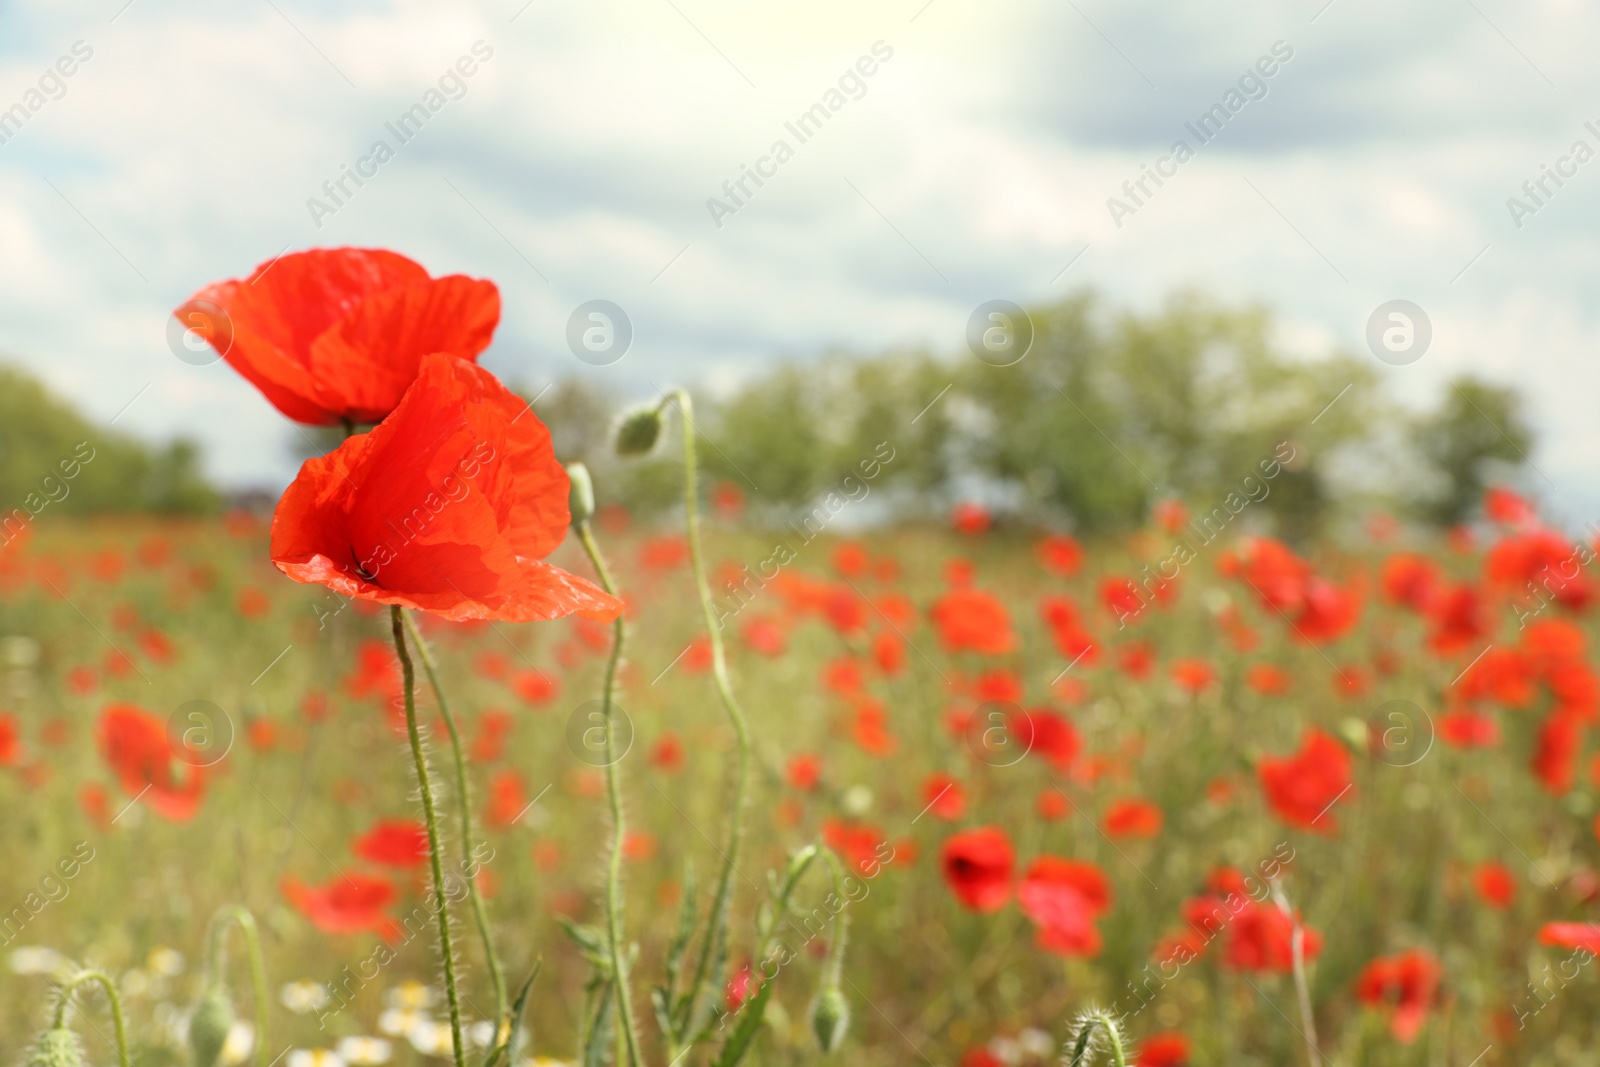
x=976 y=165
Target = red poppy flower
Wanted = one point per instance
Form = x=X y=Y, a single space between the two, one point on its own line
x=1410 y=580
x=1268 y=680
x=844 y=610
x=394 y=843
x=1404 y=986
x=857 y=843
x=1302 y=788
x=10 y=747
x=944 y=797
x=667 y=753
x=1505 y=507
x=1194 y=676
x=1065 y=898
x=508 y=798
x=534 y=686
x=972 y=620
x=969 y=517
x=1261 y=938
x=1170 y=514
x=1495 y=883
x=1051 y=805
x=889 y=652
x=1133 y=817
x=1555 y=756
x=804 y=771
x=1162 y=1050
x=977 y=867
x=348 y=904
x=1459 y=621
x=135 y=745
x=1469 y=729
x=449 y=505
x=1571 y=935
x=1059 y=554
x=339 y=333
x=1539 y=564
x=764 y=636
x=851 y=560
x=1046 y=734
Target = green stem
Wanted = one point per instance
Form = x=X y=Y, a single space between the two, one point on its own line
x=833 y=969
x=1098 y=1019
x=425 y=785
x=464 y=798
x=619 y=966
x=716 y=931
x=258 y=966
x=110 y=987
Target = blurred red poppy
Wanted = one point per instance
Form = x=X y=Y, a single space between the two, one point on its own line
x=1162 y=1050
x=449 y=505
x=1496 y=885
x=348 y=904
x=1065 y=898
x=1302 y=788
x=1261 y=938
x=1059 y=554
x=1571 y=935
x=943 y=796
x=135 y=745
x=393 y=843
x=338 y=333
x=977 y=867
x=1405 y=987
x=972 y=620
x=1132 y=817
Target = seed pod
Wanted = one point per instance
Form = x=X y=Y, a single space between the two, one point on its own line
x=580 y=494
x=638 y=432
x=208 y=1027
x=57 y=1048
x=830 y=1018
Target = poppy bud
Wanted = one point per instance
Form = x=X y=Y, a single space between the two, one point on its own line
x=638 y=432
x=208 y=1028
x=57 y=1048
x=580 y=494
x=830 y=1018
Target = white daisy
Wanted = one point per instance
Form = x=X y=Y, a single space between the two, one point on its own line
x=315 y=1057
x=429 y=1037
x=365 y=1051
x=303 y=997
x=410 y=994
x=165 y=961
x=398 y=1022
x=236 y=1047
x=38 y=960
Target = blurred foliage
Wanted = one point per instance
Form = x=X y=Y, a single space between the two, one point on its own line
x=1108 y=413
x=1478 y=429
x=52 y=457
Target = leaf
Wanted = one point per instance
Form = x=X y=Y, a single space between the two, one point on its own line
x=590 y=941
x=747 y=1029
x=517 y=1009
x=597 y=1052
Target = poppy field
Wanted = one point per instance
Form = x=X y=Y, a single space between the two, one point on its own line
x=441 y=761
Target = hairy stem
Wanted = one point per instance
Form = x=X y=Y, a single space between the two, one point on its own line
x=258 y=967
x=110 y=987
x=430 y=817
x=1083 y=1042
x=717 y=928
x=619 y=964
x=464 y=799
x=1302 y=990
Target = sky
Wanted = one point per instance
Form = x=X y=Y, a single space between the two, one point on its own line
x=984 y=157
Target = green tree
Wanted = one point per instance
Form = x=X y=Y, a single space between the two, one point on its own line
x=1477 y=428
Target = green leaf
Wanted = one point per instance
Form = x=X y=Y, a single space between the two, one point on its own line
x=748 y=1027
x=517 y=1009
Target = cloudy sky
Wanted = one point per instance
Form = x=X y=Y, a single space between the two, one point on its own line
x=976 y=162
